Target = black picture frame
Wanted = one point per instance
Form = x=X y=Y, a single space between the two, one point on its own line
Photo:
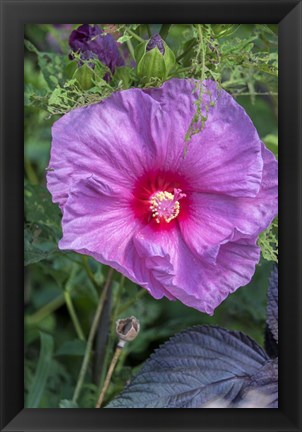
x=16 y=13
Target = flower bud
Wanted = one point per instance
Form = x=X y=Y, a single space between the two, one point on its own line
x=84 y=75
x=127 y=329
x=154 y=59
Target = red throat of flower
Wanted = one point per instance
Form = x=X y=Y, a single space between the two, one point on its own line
x=159 y=198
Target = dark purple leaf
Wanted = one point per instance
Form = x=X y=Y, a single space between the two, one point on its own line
x=271 y=346
x=194 y=368
x=272 y=307
x=263 y=389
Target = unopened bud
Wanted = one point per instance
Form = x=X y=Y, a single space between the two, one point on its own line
x=127 y=329
x=154 y=59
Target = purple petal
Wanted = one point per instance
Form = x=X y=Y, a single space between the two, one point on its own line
x=225 y=156
x=92 y=39
x=97 y=221
x=214 y=219
x=117 y=140
x=191 y=280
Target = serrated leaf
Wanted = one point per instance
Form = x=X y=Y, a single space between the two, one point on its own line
x=263 y=389
x=39 y=207
x=42 y=228
x=38 y=385
x=38 y=243
x=272 y=306
x=193 y=368
x=52 y=65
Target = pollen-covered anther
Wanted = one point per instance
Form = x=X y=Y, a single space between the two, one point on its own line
x=165 y=205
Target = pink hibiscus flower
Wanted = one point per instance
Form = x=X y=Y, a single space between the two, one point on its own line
x=181 y=224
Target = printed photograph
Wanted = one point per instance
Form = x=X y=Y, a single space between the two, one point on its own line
x=150 y=216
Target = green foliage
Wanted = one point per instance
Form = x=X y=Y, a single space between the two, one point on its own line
x=42 y=227
x=38 y=383
x=65 y=403
x=66 y=85
x=271 y=142
x=268 y=242
x=42 y=224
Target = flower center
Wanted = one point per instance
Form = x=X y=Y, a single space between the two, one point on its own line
x=165 y=205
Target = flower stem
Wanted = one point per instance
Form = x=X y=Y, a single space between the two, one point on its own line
x=130 y=48
x=112 y=335
x=113 y=363
x=92 y=332
x=74 y=316
x=186 y=51
x=88 y=271
x=137 y=37
x=200 y=32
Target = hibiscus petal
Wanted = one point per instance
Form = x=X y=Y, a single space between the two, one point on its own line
x=225 y=156
x=97 y=222
x=188 y=278
x=214 y=219
x=117 y=140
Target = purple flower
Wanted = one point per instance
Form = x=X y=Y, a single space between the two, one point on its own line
x=90 y=41
x=180 y=225
x=156 y=41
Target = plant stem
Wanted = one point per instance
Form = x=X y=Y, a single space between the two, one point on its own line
x=203 y=58
x=186 y=51
x=109 y=375
x=164 y=31
x=92 y=332
x=46 y=310
x=130 y=48
x=89 y=271
x=137 y=37
x=74 y=316
x=112 y=335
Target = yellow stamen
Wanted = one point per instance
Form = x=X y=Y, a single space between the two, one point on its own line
x=165 y=205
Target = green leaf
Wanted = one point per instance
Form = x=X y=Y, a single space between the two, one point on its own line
x=271 y=142
x=42 y=227
x=72 y=348
x=39 y=382
x=124 y=38
x=38 y=243
x=268 y=242
x=84 y=76
x=65 y=403
x=52 y=65
x=39 y=207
